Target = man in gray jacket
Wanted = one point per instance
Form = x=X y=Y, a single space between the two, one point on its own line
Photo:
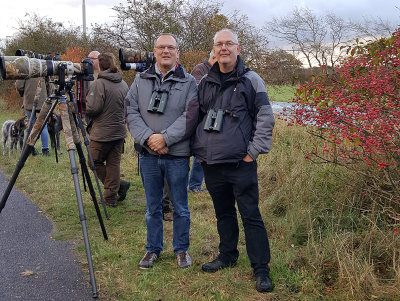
x=162 y=114
x=106 y=128
x=236 y=126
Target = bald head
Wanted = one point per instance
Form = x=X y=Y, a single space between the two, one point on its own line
x=94 y=55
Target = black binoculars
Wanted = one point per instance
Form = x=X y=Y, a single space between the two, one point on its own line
x=158 y=101
x=214 y=120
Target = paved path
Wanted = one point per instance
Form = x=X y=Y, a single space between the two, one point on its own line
x=25 y=245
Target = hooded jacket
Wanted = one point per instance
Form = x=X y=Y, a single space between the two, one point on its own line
x=105 y=107
x=27 y=89
x=247 y=122
x=179 y=119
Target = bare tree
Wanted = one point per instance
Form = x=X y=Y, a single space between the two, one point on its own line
x=317 y=38
x=372 y=28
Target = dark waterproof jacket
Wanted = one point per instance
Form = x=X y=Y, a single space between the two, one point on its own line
x=248 y=120
x=105 y=107
x=179 y=119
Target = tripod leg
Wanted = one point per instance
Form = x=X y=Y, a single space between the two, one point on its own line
x=79 y=124
x=85 y=170
x=69 y=141
x=44 y=114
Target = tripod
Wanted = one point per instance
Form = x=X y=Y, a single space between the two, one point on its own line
x=73 y=142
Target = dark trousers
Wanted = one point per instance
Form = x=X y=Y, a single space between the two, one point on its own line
x=226 y=183
x=108 y=173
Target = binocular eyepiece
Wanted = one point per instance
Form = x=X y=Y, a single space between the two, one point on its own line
x=132 y=59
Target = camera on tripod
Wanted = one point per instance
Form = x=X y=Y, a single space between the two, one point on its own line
x=28 y=64
x=132 y=59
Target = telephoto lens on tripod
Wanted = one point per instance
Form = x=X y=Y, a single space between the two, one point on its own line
x=30 y=54
x=132 y=59
x=23 y=67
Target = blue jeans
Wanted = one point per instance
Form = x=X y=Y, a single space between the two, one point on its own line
x=196 y=175
x=44 y=136
x=153 y=170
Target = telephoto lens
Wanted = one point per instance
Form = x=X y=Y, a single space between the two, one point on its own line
x=132 y=59
x=23 y=67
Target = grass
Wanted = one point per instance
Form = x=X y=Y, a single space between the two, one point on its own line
x=306 y=211
x=281 y=93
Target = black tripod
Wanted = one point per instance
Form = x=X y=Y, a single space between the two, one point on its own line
x=73 y=142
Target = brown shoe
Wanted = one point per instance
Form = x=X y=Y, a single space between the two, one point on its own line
x=147 y=260
x=111 y=203
x=184 y=260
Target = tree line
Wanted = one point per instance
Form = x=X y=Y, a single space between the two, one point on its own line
x=310 y=40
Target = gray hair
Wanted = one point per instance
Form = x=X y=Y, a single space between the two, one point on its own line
x=167 y=34
x=235 y=36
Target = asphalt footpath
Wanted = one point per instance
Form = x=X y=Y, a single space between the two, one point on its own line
x=33 y=266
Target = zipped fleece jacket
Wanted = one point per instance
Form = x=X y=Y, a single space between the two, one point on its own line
x=248 y=120
x=180 y=116
x=105 y=107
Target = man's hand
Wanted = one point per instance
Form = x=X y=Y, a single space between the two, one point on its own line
x=156 y=142
x=163 y=151
x=248 y=158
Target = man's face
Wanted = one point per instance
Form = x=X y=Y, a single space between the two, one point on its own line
x=226 y=50
x=166 y=52
x=94 y=56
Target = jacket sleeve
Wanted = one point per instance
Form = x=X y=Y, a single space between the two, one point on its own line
x=198 y=72
x=95 y=99
x=137 y=127
x=264 y=120
x=183 y=127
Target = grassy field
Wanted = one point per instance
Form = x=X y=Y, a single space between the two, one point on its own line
x=311 y=231
x=281 y=93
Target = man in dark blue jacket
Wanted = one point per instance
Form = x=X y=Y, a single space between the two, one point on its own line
x=236 y=123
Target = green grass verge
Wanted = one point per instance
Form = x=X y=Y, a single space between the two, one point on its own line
x=296 y=202
x=281 y=93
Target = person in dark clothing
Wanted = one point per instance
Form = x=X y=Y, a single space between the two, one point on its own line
x=236 y=124
x=106 y=128
x=196 y=172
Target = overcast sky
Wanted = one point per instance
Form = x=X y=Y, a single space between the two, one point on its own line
x=258 y=11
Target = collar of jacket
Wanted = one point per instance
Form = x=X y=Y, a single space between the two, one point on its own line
x=238 y=71
x=178 y=74
x=115 y=77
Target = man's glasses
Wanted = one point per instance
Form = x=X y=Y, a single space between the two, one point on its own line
x=169 y=47
x=228 y=44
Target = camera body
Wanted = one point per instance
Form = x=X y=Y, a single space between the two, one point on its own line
x=158 y=101
x=132 y=59
x=214 y=120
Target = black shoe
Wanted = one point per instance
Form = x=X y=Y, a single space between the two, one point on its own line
x=215 y=265
x=123 y=189
x=264 y=284
x=34 y=152
x=45 y=152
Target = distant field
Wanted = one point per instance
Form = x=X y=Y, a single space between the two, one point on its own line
x=281 y=93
